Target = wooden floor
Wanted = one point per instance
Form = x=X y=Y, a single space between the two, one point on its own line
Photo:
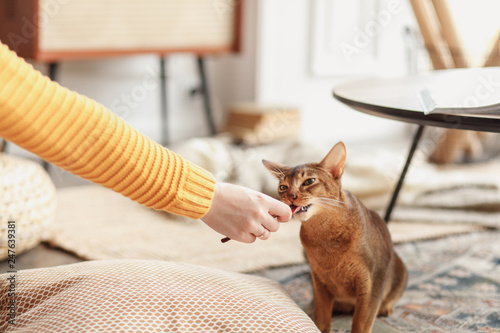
x=41 y=256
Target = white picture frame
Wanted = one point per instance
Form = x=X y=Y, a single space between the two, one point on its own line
x=346 y=35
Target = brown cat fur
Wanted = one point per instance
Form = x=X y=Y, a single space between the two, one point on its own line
x=352 y=259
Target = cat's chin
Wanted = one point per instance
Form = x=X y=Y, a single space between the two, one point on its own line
x=304 y=217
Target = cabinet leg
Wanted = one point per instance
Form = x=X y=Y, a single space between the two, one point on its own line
x=163 y=95
x=3 y=145
x=206 y=95
x=53 y=71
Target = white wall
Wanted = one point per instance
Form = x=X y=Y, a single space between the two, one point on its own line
x=285 y=34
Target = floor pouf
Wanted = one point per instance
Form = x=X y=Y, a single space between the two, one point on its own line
x=27 y=204
x=148 y=296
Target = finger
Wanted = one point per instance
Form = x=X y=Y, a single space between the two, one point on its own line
x=247 y=238
x=264 y=235
x=270 y=224
x=280 y=210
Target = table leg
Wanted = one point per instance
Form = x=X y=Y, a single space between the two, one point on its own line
x=164 y=106
x=206 y=95
x=395 y=194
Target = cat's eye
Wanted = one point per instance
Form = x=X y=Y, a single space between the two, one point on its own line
x=283 y=187
x=308 y=182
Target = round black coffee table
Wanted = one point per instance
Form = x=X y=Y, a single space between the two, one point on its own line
x=403 y=99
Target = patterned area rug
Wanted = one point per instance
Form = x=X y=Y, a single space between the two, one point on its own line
x=454 y=286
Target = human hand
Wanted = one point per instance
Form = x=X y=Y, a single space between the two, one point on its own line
x=243 y=214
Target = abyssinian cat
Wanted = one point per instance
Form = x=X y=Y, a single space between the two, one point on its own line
x=353 y=264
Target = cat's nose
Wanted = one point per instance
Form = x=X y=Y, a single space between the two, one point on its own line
x=292 y=196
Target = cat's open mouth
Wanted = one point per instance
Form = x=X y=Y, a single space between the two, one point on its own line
x=299 y=209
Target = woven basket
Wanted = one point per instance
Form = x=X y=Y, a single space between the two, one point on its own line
x=28 y=197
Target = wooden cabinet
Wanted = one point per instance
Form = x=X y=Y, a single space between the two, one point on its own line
x=54 y=30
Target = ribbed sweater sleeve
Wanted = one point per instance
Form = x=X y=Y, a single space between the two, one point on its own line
x=83 y=137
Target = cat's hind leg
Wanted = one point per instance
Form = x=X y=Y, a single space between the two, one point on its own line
x=398 y=286
x=399 y=277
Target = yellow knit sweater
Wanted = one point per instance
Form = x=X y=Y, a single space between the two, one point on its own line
x=83 y=137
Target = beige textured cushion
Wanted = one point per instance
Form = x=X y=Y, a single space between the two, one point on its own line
x=148 y=296
x=28 y=197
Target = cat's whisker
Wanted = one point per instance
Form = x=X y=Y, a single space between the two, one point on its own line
x=326 y=206
x=329 y=201
x=333 y=204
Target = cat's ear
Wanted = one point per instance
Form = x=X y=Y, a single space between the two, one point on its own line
x=335 y=160
x=276 y=169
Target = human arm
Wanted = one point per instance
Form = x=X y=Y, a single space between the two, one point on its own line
x=85 y=138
